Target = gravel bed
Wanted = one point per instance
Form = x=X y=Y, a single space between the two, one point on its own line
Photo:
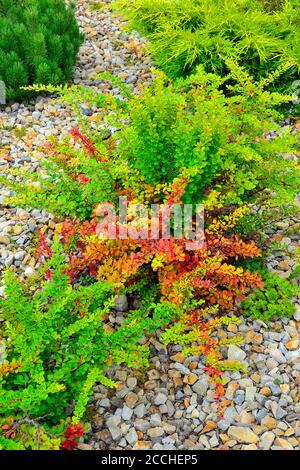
x=171 y=405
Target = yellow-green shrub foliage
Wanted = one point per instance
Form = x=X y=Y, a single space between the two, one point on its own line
x=185 y=33
x=57 y=345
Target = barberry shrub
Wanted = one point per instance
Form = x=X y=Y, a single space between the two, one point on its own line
x=77 y=173
x=39 y=41
x=70 y=182
x=57 y=346
x=259 y=35
x=197 y=331
x=220 y=157
x=205 y=283
x=220 y=140
x=273 y=301
x=205 y=273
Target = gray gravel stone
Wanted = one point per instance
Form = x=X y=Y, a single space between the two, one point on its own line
x=235 y=353
x=140 y=410
x=181 y=368
x=131 y=437
x=121 y=303
x=160 y=399
x=278 y=356
x=200 y=387
x=113 y=424
x=126 y=413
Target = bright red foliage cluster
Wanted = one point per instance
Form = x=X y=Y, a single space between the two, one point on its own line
x=84 y=140
x=43 y=249
x=73 y=433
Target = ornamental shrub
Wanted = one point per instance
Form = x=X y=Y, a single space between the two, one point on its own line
x=193 y=124
x=274 y=300
x=205 y=273
x=222 y=158
x=77 y=173
x=57 y=345
x=72 y=180
x=190 y=124
x=259 y=35
x=39 y=41
x=201 y=282
x=196 y=332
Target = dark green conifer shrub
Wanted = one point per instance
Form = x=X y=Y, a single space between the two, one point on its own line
x=39 y=41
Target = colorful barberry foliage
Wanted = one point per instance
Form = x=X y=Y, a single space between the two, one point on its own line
x=200 y=142
x=197 y=330
x=207 y=273
x=208 y=277
x=73 y=433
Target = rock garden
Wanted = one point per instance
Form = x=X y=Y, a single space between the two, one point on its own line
x=120 y=334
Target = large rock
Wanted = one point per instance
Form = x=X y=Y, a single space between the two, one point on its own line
x=242 y=435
